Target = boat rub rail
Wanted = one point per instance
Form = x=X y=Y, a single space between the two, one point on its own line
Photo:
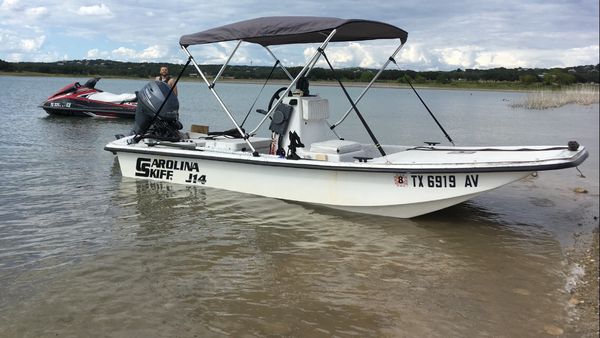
x=538 y=165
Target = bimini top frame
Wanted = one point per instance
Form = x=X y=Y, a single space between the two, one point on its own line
x=281 y=30
x=284 y=30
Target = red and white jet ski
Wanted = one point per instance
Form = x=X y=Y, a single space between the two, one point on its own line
x=86 y=100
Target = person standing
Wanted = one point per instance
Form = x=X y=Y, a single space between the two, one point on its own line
x=165 y=77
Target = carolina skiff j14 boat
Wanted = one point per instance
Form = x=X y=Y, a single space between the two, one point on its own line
x=304 y=150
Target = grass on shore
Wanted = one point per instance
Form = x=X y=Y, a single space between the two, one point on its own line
x=544 y=99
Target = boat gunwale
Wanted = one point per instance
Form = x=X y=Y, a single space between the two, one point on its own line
x=354 y=167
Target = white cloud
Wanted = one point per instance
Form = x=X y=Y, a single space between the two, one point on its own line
x=95 y=10
x=460 y=34
x=14 y=57
x=15 y=45
x=493 y=59
x=469 y=56
x=123 y=52
x=36 y=12
x=7 y=38
x=413 y=54
x=152 y=52
x=34 y=29
x=212 y=54
x=351 y=55
x=31 y=45
x=11 y=5
x=95 y=53
x=580 y=56
x=463 y=56
x=420 y=58
x=339 y=56
x=35 y=57
x=308 y=52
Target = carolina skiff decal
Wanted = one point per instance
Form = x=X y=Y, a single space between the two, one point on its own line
x=163 y=169
x=435 y=181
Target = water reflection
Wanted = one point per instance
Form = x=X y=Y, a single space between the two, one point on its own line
x=223 y=263
x=218 y=263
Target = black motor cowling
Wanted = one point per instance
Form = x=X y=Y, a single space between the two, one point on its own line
x=149 y=100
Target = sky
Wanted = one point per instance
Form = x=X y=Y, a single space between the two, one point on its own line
x=442 y=35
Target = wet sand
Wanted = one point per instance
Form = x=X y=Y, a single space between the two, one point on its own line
x=583 y=304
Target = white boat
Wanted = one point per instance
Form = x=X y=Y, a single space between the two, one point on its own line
x=302 y=158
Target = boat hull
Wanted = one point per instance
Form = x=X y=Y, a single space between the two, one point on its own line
x=393 y=193
x=89 y=109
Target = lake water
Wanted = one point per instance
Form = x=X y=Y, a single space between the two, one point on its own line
x=87 y=253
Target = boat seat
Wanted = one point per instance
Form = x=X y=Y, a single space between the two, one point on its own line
x=261 y=144
x=335 y=147
x=334 y=151
x=113 y=98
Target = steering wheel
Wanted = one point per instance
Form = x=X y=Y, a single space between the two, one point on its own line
x=276 y=96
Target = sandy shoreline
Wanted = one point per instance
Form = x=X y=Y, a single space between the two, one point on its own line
x=582 y=261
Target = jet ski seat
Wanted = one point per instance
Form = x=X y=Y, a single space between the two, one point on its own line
x=113 y=98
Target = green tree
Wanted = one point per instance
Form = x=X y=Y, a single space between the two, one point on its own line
x=558 y=77
x=419 y=79
x=404 y=78
x=528 y=78
x=442 y=78
x=5 y=66
x=366 y=76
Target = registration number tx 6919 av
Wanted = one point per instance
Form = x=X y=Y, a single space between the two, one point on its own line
x=436 y=181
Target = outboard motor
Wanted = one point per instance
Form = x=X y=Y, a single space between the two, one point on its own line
x=150 y=99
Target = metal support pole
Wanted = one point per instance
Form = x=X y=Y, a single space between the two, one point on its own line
x=302 y=72
x=424 y=104
x=226 y=63
x=292 y=78
x=313 y=64
x=368 y=86
x=211 y=88
x=362 y=120
x=280 y=64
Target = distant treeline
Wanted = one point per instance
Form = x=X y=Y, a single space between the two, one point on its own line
x=553 y=76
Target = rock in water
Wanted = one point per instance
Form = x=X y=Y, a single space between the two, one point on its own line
x=553 y=330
